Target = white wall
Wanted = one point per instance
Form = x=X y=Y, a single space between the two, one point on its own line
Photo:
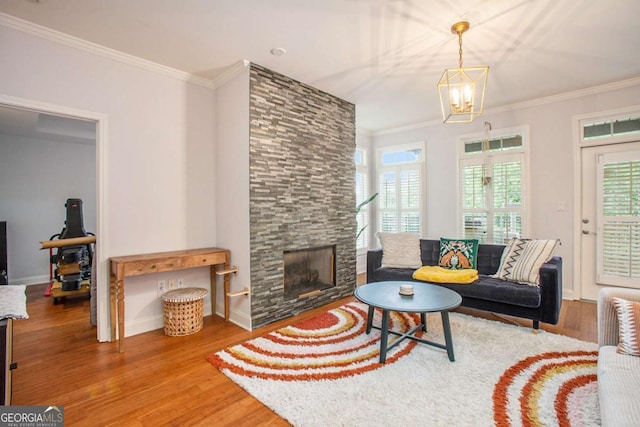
x=158 y=154
x=232 y=189
x=37 y=177
x=364 y=140
x=551 y=125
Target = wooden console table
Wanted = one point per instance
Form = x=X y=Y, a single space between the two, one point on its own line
x=136 y=265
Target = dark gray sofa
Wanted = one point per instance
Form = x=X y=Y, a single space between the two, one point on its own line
x=540 y=304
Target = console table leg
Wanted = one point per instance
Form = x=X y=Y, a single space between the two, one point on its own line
x=120 y=300
x=214 y=288
x=227 y=302
x=113 y=312
x=120 y=297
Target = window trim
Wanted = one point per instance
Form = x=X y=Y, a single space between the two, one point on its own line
x=364 y=168
x=620 y=113
x=523 y=131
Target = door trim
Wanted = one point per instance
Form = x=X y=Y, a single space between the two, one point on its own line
x=102 y=285
x=578 y=145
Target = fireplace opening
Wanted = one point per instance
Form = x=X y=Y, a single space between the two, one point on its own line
x=308 y=271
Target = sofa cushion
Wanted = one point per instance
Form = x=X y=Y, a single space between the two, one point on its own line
x=429 y=251
x=400 y=250
x=384 y=274
x=628 y=326
x=618 y=385
x=485 y=288
x=458 y=254
x=492 y=289
x=489 y=256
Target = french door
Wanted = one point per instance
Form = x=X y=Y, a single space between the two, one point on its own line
x=610 y=218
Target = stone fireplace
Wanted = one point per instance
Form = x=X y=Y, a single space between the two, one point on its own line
x=301 y=193
x=309 y=271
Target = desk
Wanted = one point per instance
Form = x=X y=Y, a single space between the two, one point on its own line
x=136 y=265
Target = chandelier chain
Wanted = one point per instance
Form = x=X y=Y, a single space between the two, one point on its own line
x=460 y=50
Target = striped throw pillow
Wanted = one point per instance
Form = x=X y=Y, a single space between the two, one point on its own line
x=527 y=267
x=628 y=326
x=511 y=254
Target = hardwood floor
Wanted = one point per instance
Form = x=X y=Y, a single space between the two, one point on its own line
x=159 y=380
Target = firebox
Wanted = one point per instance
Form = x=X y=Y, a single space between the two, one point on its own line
x=309 y=271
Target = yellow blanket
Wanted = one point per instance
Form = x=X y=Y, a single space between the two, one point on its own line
x=437 y=274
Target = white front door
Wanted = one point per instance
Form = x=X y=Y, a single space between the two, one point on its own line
x=610 y=218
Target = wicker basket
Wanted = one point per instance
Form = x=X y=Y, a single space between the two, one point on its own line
x=183 y=311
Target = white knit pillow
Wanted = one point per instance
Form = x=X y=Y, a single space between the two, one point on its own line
x=400 y=250
x=527 y=267
x=13 y=302
x=628 y=326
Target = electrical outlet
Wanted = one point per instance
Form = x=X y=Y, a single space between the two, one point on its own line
x=180 y=282
x=162 y=287
x=171 y=284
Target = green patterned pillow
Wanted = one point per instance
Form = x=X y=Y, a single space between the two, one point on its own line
x=458 y=254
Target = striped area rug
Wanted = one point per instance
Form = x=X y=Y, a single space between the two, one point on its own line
x=325 y=371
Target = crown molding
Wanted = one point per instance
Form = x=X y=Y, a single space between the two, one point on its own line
x=406 y=128
x=363 y=131
x=27 y=27
x=230 y=72
x=565 y=96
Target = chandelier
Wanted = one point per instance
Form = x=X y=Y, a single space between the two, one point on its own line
x=462 y=89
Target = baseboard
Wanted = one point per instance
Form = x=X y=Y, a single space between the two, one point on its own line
x=236 y=317
x=151 y=323
x=33 y=280
x=567 y=294
x=142 y=325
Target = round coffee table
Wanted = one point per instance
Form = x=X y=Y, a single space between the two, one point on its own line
x=426 y=298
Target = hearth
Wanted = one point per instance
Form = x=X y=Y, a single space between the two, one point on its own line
x=309 y=271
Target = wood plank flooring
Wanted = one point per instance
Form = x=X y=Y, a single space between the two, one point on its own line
x=159 y=380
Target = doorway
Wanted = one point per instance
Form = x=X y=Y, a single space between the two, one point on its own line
x=609 y=217
x=61 y=125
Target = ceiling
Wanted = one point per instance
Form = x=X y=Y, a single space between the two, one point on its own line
x=385 y=56
x=41 y=126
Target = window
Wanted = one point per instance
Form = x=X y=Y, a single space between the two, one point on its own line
x=619 y=214
x=362 y=193
x=400 y=171
x=492 y=186
x=611 y=128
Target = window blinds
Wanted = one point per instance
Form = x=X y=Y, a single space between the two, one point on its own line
x=619 y=213
x=492 y=207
